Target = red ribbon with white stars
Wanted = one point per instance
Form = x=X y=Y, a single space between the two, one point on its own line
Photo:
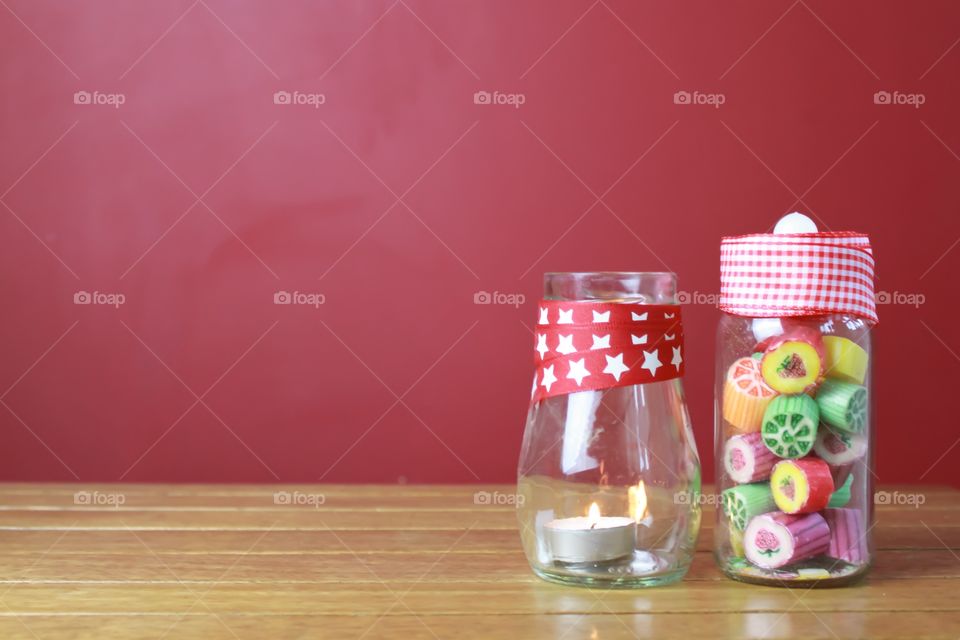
x=584 y=346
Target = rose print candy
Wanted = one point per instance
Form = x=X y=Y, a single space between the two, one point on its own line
x=801 y=486
x=847 y=535
x=839 y=448
x=745 y=395
x=774 y=540
x=747 y=459
x=793 y=362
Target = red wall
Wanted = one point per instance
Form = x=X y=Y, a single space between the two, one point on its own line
x=198 y=376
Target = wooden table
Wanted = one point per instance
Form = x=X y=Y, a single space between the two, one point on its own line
x=163 y=561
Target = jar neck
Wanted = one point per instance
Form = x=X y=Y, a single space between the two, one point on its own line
x=647 y=287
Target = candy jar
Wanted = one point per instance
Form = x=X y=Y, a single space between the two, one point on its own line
x=609 y=478
x=793 y=424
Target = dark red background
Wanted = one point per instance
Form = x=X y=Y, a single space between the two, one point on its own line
x=302 y=199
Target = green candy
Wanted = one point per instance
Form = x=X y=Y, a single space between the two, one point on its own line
x=789 y=426
x=843 y=405
x=841 y=496
x=743 y=502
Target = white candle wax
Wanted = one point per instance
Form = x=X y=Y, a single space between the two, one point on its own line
x=588 y=539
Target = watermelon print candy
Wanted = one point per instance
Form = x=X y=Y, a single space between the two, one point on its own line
x=839 y=448
x=848 y=539
x=790 y=425
x=745 y=395
x=843 y=405
x=743 y=502
x=841 y=497
x=793 y=361
x=747 y=459
x=846 y=360
x=801 y=486
x=774 y=540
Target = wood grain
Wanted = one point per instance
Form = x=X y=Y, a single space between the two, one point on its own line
x=407 y=562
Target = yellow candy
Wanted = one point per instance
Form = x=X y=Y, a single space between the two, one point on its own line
x=846 y=360
x=736 y=541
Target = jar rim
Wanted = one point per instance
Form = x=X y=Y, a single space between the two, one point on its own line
x=612 y=273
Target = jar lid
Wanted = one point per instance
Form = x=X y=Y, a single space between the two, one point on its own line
x=797 y=274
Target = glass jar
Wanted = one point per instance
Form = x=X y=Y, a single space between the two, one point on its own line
x=609 y=479
x=793 y=426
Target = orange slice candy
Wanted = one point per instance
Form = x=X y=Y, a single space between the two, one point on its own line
x=745 y=395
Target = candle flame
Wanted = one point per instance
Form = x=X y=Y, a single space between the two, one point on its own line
x=593 y=515
x=638 y=501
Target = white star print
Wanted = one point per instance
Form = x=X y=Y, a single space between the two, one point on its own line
x=566 y=317
x=638 y=340
x=544 y=316
x=601 y=317
x=677 y=358
x=548 y=378
x=651 y=362
x=542 y=344
x=615 y=367
x=638 y=316
x=600 y=342
x=566 y=345
x=577 y=371
x=669 y=316
x=669 y=337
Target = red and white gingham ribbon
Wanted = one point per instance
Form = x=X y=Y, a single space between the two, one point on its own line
x=768 y=275
x=598 y=345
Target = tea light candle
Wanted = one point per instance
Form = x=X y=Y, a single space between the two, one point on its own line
x=593 y=538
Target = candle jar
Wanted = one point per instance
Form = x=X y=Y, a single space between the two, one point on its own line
x=609 y=478
x=793 y=429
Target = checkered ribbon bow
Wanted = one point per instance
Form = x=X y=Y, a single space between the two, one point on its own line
x=598 y=345
x=767 y=275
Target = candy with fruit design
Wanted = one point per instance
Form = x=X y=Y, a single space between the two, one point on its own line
x=841 y=497
x=745 y=395
x=843 y=405
x=743 y=502
x=846 y=360
x=839 y=448
x=790 y=425
x=801 y=486
x=747 y=459
x=774 y=540
x=793 y=361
